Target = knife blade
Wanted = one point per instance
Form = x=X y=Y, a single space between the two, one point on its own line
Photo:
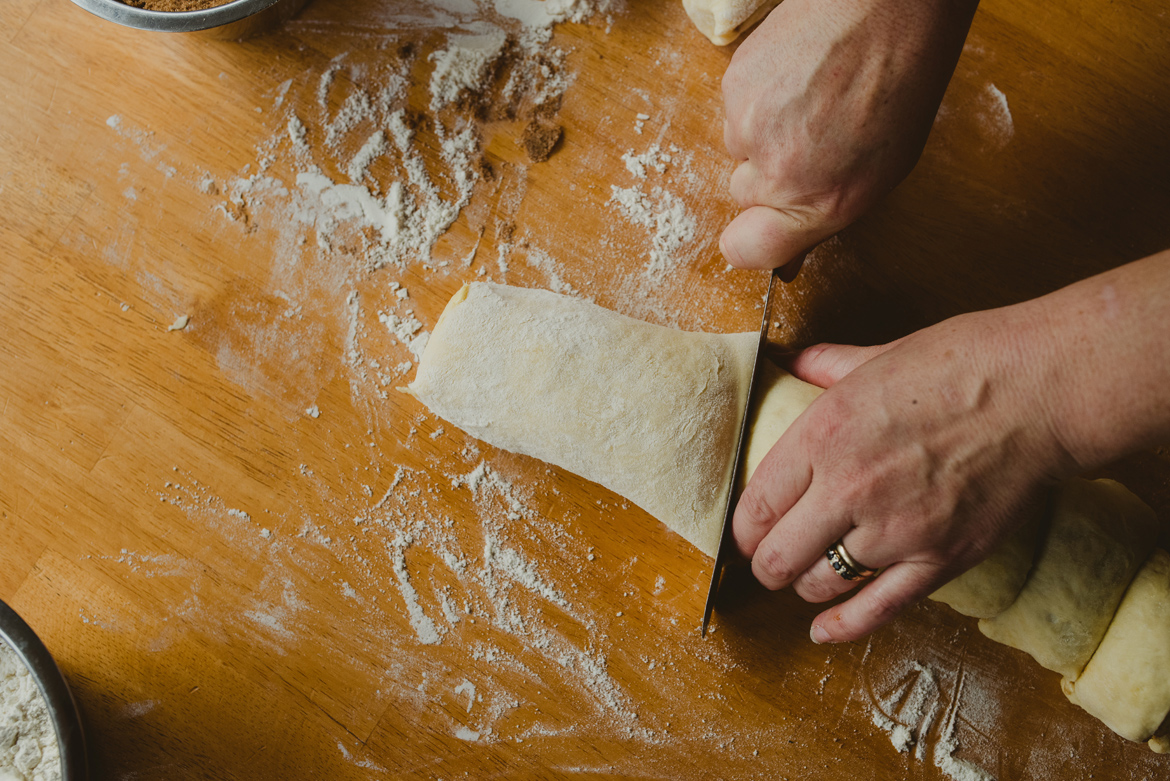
x=725 y=541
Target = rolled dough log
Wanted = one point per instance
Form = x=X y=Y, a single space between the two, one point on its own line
x=1099 y=535
x=1127 y=682
x=649 y=412
x=990 y=587
x=722 y=21
x=780 y=398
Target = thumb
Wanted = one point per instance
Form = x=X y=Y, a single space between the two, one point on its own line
x=825 y=365
x=762 y=237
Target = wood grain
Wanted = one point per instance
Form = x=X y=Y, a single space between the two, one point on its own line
x=226 y=581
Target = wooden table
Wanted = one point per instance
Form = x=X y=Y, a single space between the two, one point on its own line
x=238 y=589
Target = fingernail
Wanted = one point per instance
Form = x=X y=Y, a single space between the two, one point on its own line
x=818 y=635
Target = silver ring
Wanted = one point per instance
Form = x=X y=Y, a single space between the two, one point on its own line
x=845 y=565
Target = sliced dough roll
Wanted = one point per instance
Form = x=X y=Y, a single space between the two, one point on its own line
x=649 y=412
x=1127 y=682
x=1098 y=537
x=990 y=587
x=722 y=21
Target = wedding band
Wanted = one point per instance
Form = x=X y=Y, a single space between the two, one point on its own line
x=845 y=565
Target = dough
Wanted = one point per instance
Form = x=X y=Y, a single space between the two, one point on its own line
x=1099 y=535
x=988 y=588
x=1127 y=682
x=780 y=398
x=722 y=21
x=651 y=413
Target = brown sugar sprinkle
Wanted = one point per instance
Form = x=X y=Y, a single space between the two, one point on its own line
x=540 y=140
x=486 y=170
x=175 y=6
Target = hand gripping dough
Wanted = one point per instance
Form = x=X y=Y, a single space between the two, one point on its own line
x=1127 y=682
x=722 y=21
x=651 y=413
x=1099 y=535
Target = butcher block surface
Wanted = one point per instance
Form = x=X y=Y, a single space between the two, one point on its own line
x=254 y=558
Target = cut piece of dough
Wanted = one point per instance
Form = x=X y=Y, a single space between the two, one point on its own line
x=990 y=587
x=1127 y=682
x=722 y=21
x=649 y=412
x=1098 y=537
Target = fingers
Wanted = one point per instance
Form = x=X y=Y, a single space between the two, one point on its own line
x=778 y=482
x=763 y=238
x=795 y=543
x=744 y=186
x=770 y=232
x=826 y=364
x=895 y=589
x=820 y=582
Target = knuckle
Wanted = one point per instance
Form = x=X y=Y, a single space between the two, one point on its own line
x=752 y=520
x=770 y=563
x=740 y=187
x=754 y=510
x=813 y=589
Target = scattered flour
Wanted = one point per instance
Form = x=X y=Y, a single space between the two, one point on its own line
x=464 y=733
x=28 y=740
x=408 y=329
x=374 y=148
x=424 y=627
x=666 y=217
x=468 y=688
x=136 y=710
x=463 y=65
x=995 y=118
x=653 y=158
x=908 y=714
x=546 y=264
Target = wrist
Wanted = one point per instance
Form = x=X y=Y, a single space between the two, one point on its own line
x=1022 y=365
x=1106 y=361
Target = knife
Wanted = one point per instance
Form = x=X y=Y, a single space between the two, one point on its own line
x=725 y=541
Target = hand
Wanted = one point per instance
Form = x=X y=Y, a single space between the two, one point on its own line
x=828 y=105
x=920 y=457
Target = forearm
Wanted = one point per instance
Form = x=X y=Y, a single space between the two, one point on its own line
x=1107 y=361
